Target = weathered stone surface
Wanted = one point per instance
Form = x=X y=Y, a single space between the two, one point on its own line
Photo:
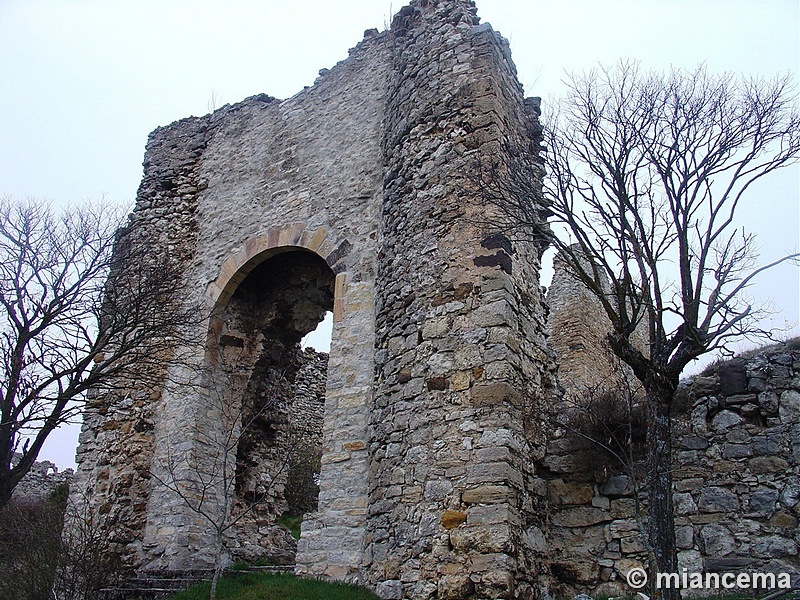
x=773 y=546
x=732 y=378
x=693 y=442
x=769 y=402
x=717 y=499
x=703 y=386
x=789 y=407
x=390 y=590
x=684 y=504
x=689 y=485
x=717 y=540
x=437 y=490
x=581 y=516
x=783 y=520
x=624 y=566
x=616 y=486
x=559 y=492
x=455 y=587
x=486 y=540
x=763 y=501
x=535 y=539
x=691 y=560
x=453 y=518
x=726 y=419
x=684 y=537
x=726 y=565
x=764 y=445
x=487 y=494
x=737 y=451
x=768 y=464
x=790 y=495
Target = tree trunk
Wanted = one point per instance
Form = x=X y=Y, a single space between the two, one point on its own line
x=5 y=491
x=217 y=566
x=661 y=515
x=214 y=580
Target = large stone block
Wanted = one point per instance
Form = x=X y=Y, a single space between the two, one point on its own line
x=789 y=407
x=485 y=539
x=762 y=501
x=717 y=499
x=717 y=540
x=487 y=494
x=580 y=516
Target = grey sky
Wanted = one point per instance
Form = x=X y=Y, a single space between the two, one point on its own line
x=84 y=81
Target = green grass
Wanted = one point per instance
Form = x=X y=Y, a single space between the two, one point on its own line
x=291 y=523
x=275 y=586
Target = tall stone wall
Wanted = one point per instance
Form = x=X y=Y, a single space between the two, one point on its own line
x=224 y=194
x=117 y=441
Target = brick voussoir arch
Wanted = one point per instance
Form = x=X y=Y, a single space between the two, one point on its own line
x=260 y=247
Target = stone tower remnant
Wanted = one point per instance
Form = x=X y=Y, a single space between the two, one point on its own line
x=353 y=196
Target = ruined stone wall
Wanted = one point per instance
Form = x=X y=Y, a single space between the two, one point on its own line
x=285 y=436
x=736 y=483
x=593 y=381
x=308 y=409
x=116 y=444
x=224 y=193
x=735 y=448
x=439 y=368
x=42 y=480
x=737 y=479
x=578 y=328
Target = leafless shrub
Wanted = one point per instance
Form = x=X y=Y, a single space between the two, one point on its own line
x=30 y=544
x=85 y=569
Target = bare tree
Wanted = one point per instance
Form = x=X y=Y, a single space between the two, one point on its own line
x=207 y=477
x=644 y=175
x=80 y=305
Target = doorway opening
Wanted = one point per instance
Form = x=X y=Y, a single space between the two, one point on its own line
x=277 y=388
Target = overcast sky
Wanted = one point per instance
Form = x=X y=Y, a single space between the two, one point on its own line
x=84 y=81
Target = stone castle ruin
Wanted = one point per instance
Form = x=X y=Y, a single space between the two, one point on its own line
x=439 y=474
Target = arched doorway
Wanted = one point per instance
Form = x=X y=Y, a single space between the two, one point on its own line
x=272 y=397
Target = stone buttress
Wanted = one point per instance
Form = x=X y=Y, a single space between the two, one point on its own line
x=454 y=507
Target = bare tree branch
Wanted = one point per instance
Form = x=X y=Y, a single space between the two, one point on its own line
x=80 y=305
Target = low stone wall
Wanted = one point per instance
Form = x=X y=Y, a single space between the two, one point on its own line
x=737 y=482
